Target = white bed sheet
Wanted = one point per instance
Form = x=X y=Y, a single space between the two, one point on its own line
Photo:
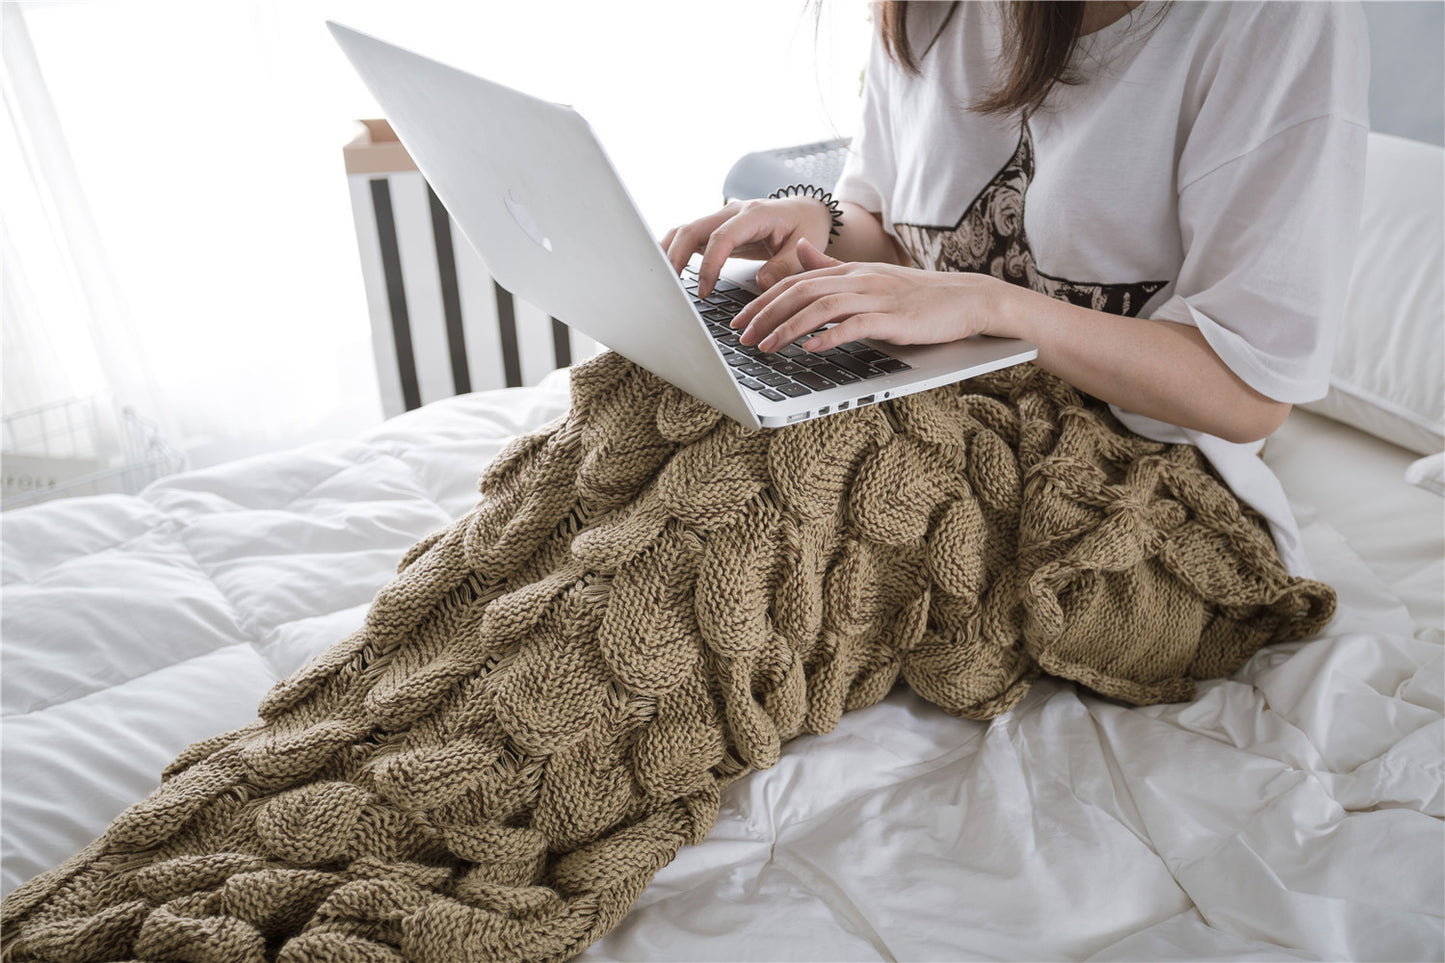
x=1291 y=812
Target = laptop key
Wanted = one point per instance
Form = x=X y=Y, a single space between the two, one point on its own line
x=748 y=382
x=772 y=394
x=816 y=382
x=738 y=360
x=773 y=379
x=834 y=373
x=869 y=355
x=753 y=369
x=793 y=390
x=731 y=339
x=788 y=368
x=853 y=347
x=860 y=368
x=893 y=364
x=792 y=351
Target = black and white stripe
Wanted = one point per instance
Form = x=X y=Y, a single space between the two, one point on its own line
x=440 y=324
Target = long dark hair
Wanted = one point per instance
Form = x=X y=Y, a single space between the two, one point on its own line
x=1038 y=49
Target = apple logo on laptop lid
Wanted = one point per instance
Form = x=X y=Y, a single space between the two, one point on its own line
x=526 y=221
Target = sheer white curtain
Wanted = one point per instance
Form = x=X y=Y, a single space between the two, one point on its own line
x=62 y=307
x=176 y=225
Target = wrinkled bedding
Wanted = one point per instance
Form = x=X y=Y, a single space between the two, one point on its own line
x=1293 y=811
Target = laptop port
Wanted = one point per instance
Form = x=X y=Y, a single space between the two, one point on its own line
x=842 y=406
x=825 y=409
x=865 y=400
x=798 y=417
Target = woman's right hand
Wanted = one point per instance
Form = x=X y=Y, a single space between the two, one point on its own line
x=764 y=230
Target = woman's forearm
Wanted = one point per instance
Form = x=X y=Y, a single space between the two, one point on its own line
x=862 y=238
x=1158 y=369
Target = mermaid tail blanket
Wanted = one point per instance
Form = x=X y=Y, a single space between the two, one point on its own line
x=647 y=602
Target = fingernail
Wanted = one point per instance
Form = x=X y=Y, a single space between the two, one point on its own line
x=767 y=343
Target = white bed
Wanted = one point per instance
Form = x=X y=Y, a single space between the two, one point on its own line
x=1293 y=811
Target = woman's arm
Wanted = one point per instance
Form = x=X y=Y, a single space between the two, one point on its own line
x=1159 y=369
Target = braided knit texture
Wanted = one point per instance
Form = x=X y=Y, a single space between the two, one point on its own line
x=648 y=601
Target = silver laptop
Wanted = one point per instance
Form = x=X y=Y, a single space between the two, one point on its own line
x=533 y=191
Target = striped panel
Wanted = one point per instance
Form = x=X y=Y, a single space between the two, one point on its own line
x=373 y=279
x=440 y=324
x=394 y=279
x=417 y=248
x=480 y=328
x=536 y=347
x=441 y=225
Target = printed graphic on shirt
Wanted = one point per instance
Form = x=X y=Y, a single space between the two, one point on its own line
x=989 y=239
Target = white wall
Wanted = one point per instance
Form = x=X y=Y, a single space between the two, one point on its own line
x=1407 y=68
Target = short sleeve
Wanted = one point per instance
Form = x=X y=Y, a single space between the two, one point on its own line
x=870 y=170
x=1270 y=192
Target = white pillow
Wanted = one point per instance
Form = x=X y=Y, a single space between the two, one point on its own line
x=1388 y=377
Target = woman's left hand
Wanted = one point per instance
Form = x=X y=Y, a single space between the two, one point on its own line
x=886 y=302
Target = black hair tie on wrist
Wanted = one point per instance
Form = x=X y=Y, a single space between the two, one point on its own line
x=808 y=190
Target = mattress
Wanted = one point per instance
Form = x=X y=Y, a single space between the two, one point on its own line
x=1291 y=812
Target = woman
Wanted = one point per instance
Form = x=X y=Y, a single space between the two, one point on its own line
x=1202 y=172
x=649 y=600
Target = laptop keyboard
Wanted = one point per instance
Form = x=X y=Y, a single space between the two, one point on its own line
x=790 y=371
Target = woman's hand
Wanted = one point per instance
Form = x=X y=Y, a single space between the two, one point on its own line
x=887 y=302
x=765 y=230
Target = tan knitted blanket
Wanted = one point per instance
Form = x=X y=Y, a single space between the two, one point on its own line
x=647 y=602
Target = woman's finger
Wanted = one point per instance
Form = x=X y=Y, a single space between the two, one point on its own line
x=782 y=265
x=682 y=242
x=875 y=325
x=788 y=297
x=827 y=309
x=751 y=223
x=812 y=259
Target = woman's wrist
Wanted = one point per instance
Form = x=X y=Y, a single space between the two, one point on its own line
x=1004 y=311
x=811 y=216
x=825 y=200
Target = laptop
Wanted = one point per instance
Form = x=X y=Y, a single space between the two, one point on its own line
x=531 y=188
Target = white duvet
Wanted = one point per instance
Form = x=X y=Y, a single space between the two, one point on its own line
x=1291 y=812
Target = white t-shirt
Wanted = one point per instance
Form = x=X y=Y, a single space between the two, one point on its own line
x=1208 y=171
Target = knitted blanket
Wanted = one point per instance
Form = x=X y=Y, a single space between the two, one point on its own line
x=648 y=601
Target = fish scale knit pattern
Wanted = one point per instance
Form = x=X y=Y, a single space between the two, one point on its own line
x=648 y=601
